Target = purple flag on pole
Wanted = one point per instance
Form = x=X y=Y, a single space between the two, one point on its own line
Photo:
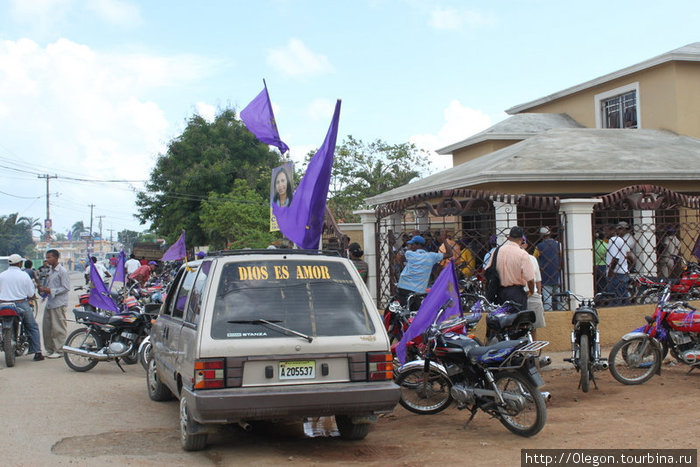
x=99 y=295
x=119 y=274
x=69 y=236
x=177 y=250
x=444 y=288
x=259 y=119
x=302 y=220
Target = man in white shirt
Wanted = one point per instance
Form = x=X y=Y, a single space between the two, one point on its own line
x=617 y=259
x=131 y=265
x=17 y=287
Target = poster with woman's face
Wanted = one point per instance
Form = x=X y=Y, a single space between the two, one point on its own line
x=281 y=189
x=282 y=186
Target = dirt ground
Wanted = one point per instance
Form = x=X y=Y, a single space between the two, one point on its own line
x=54 y=416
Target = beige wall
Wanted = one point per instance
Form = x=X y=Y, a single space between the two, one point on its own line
x=477 y=150
x=669 y=99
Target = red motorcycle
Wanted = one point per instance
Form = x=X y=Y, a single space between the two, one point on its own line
x=649 y=289
x=674 y=327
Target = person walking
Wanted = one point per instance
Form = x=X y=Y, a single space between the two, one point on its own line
x=17 y=287
x=355 y=252
x=419 y=264
x=548 y=254
x=56 y=289
x=515 y=270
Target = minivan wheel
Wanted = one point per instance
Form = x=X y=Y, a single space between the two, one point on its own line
x=188 y=440
x=349 y=430
x=157 y=391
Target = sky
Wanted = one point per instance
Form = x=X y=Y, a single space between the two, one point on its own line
x=92 y=91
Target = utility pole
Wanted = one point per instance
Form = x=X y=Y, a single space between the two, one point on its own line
x=47 y=222
x=90 y=236
x=100 y=224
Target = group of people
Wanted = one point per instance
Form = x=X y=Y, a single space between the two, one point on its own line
x=20 y=288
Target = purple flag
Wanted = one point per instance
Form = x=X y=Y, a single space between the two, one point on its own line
x=259 y=119
x=69 y=236
x=177 y=250
x=99 y=295
x=444 y=288
x=302 y=220
x=119 y=274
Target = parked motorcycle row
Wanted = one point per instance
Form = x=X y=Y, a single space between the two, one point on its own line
x=447 y=363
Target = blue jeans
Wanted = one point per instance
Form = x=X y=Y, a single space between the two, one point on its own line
x=550 y=302
x=30 y=326
x=617 y=285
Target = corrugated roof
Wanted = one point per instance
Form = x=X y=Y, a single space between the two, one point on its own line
x=688 y=53
x=570 y=154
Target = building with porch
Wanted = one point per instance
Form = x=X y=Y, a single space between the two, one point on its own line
x=623 y=147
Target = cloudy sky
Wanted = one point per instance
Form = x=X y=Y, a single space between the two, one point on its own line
x=91 y=91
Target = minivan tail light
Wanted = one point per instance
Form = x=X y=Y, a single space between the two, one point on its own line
x=209 y=374
x=380 y=366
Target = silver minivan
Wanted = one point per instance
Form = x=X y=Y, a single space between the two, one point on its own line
x=271 y=335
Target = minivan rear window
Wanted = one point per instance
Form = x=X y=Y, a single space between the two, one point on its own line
x=310 y=297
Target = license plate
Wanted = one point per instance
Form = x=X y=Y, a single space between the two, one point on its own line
x=298 y=370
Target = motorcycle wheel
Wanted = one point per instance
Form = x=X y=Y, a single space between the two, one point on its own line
x=349 y=430
x=527 y=415
x=634 y=361
x=9 y=344
x=584 y=361
x=85 y=340
x=131 y=358
x=157 y=391
x=423 y=395
x=188 y=440
x=145 y=355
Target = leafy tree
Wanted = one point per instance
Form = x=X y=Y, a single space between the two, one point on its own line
x=361 y=170
x=16 y=234
x=127 y=238
x=61 y=237
x=238 y=219
x=77 y=229
x=206 y=158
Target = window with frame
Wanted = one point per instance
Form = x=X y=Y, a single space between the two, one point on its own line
x=620 y=111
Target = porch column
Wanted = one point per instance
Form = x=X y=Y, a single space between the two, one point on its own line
x=422 y=220
x=506 y=217
x=579 y=236
x=369 y=240
x=645 y=242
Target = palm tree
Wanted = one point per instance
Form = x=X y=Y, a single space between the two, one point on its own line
x=77 y=229
x=15 y=234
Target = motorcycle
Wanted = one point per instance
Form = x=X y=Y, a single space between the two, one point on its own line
x=674 y=326
x=505 y=321
x=647 y=288
x=14 y=341
x=105 y=338
x=500 y=379
x=585 y=339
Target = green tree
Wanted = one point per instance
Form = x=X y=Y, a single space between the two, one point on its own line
x=238 y=219
x=16 y=234
x=61 y=237
x=362 y=170
x=127 y=238
x=77 y=229
x=206 y=158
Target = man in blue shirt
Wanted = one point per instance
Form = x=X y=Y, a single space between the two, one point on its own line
x=548 y=254
x=419 y=264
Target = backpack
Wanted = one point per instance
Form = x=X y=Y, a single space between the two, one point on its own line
x=493 y=281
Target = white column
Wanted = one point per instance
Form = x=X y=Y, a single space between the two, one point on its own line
x=506 y=217
x=579 y=236
x=369 y=240
x=422 y=220
x=645 y=241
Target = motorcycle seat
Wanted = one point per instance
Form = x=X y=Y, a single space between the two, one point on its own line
x=504 y=321
x=478 y=351
x=585 y=311
x=91 y=316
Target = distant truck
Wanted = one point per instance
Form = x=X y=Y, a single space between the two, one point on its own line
x=149 y=250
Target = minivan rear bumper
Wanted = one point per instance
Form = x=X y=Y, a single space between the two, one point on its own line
x=256 y=403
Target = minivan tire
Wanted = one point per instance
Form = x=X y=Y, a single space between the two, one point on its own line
x=157 y=391
x=188 y=440
x=349 y=430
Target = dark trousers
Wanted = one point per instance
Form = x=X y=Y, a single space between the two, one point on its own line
x=514 y=293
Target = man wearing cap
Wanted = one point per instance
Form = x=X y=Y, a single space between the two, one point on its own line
x=548 y=254
x=419 y=264
x=17 y=287
x=54 y=326
x=201 y=254
x=355 y=252
x=143 y=273
x=618 y=259
x=515 y=270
